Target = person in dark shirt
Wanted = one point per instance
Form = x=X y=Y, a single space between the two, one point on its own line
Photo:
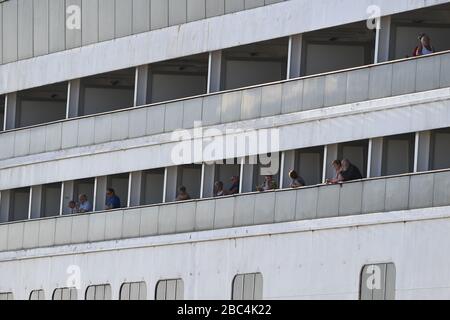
x=234 y=189
x=296 y=180
x=349 y=172
x=112 y=201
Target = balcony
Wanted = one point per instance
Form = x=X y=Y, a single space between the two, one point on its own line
x=396 y=193
x=308 y=93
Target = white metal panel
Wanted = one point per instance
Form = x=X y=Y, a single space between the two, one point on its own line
x=141 y=15
x=270 y=102
x=292 y=96
x=74 y=34
x=25 y=29
x=10 y=30
x=40 y=27
x=106 y=19
x=234 y=5
x=57 y=25
x=124 y=17
x=186 y=217
x=196 y=9
x=251 y=103
x=131 y=223
x=159 y=14
x=215 y=8
x=249 y=4
x=177 y=12
x=89 y=20
x=1 y=35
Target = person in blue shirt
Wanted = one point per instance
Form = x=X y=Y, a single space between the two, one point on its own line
x=112 y=201
x=84 y=206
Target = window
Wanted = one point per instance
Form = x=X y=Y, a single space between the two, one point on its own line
x=170 y=290
x=99 y=292
x=357 y=153
x=37 y=295
x=440 y=149
x=248 y=287
x=378 y=282
x=65 y=294
x=398 y=154
x=6 y=296
x=133 y=291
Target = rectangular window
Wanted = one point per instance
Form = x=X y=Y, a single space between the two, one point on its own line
x=378 y=282
x=398 y=154
x=248 y=287
x=309 y=165
x=6 y=296
x=19 y=205
x=37 y=295
x=65 y=294
x=99 y=292
x=357 y=153
x=440 y=149
x=133 y=291
x=170 y=290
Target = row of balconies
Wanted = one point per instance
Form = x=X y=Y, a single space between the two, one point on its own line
x=396 y=193
x=321 y=91
x=32 y=100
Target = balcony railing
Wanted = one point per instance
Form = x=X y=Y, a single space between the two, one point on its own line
x=320 y=91
x=404 y=192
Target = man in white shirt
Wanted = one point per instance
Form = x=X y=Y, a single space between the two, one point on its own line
x=84 y=205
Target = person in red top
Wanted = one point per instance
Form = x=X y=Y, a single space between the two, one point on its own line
x=424 y=47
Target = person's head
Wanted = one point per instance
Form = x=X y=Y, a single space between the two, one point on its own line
x=293 y=174
x=182 y=190
x=219 y=185
x=345 y=164
x=337 y=164
x=234 y=179
x=268 y=178
x=425 y=40
x=72 y=204
x=110 y=192
x=83 y=198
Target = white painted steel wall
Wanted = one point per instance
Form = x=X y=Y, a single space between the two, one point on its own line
x=37 y=27
x=319 y=259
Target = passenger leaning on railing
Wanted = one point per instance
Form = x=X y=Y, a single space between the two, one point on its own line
x=349 y=172
x=220 y=191
x=345 y=171
x=269 y=184
x=296 y=180
x=112 y=201
x=337 y=165
x=424 y=46
x=182 y=194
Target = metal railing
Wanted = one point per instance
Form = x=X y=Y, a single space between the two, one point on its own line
x=384 y=194
x=313 y=92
